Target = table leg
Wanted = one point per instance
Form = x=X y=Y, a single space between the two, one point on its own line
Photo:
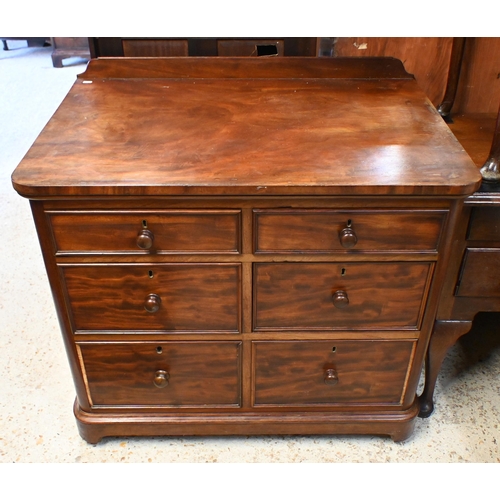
x=445 y=334
x=491 y=169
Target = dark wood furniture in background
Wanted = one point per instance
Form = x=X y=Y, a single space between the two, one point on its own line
x=31 y=41
x=246 y=245
x=473 y=280
x=209 y=47
x=461 y=76
x=68 y=47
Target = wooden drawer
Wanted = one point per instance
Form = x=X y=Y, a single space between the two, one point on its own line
x=480 y=275
x=484 y=224
x=169 y=231
x=330 y=372
x=180 y=297
x=177 y=374
x=327 y=296
x=324 y=231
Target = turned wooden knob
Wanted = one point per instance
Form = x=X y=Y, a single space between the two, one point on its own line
x=340 y=299
x=152 y=303
x=348 y=237
x=145 y=239
x=331 y=377
x=161 y=378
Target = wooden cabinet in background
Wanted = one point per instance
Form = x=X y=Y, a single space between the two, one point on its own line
x=209 y=47
x=65 y=48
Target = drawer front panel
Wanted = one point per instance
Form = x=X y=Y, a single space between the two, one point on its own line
x=367 y=295
x=171 y=231
x=178 y=374
x=485 y=224
x=330 y=372
x=323 y=231
x=480 y=276
x=176 y=297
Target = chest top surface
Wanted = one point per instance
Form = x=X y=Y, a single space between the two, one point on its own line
x=249 y=126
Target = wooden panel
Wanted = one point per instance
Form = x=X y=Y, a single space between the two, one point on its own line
x=485 y=224
x=199 y=374
x=220 y=136
x=194 y=297
x=427 y=58
x=251 y=67
x=293 y=373
x=256 y=47
x=172 y=231
x=479 y=85
x=475 y=133
x=321 y=230
x=300 y=295
x=480 y=276
x=154 y=48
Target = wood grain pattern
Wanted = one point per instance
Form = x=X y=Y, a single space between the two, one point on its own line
x=201 y=374
x=318 y=231
x=174 y=231
x=178 y=137
x=427 y=58
x=252 y=136
x=194 y=297
x=479 y=85
x=484 y=224
x=293 y=373
x=155 y=48
x=480 y=275
x=475 y=133
x=299 y=295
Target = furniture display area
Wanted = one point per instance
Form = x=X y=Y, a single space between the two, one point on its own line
x=242 y=246
x=473 y=280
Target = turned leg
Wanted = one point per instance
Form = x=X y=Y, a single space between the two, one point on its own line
x=445 y=334
x=491 y=169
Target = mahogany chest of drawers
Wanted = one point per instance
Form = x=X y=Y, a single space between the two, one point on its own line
x=241 y=246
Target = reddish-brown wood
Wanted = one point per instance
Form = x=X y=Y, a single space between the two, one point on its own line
x=200 y=374
x=479 y=86
x=293 y=373
x=218 y=130
x=316 y=231
x=484 y=224
x=166 y=231
x=194 y=297
x=155 y=48
x=301 y=296
x=483 y=263
x=206 y=207
x=428 y=58
x=472 y=282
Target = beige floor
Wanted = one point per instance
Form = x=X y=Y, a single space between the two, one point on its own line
x=36 y=393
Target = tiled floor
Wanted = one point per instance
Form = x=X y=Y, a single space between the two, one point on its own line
x=36 y=392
